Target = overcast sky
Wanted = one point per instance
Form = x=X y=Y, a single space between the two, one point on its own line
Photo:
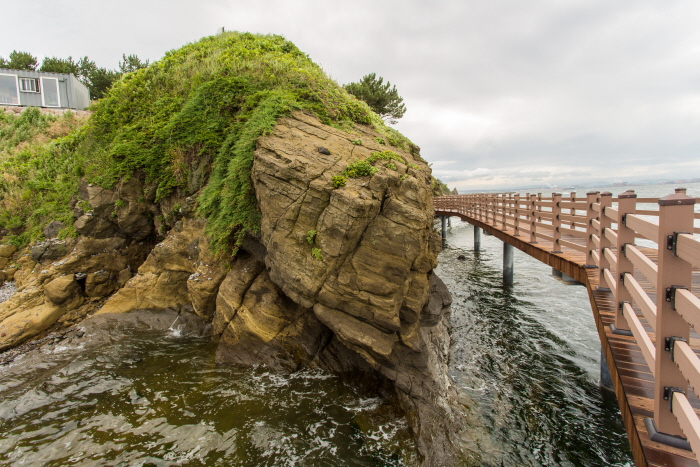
x=500 y=94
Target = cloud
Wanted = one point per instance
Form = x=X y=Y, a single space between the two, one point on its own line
x=504 y=90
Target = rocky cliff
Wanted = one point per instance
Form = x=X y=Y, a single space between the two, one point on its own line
x=335 y=273
x=226 y=192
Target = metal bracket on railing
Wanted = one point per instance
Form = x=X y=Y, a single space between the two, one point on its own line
x=671 y=294
x=623 y=249
x=622 y=306
x=672 y=242
x=671 y=345
x=668 y=395
x=622 y=276
x=624 y=219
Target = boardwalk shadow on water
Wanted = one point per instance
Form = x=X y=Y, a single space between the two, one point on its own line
x=528 y=372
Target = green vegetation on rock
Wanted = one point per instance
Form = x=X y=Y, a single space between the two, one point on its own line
x=365 y=167
x=190 y=122
x=311 y=236
x=41 y=171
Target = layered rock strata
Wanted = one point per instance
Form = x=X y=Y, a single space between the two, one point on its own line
x=337 y=277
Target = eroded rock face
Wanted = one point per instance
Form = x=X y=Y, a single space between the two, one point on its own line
x=64 y=289
x=179 y=272
x=371 y=282
x=337 y=278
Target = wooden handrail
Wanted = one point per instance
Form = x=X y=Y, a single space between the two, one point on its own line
x=639 y=333
x=687 y=362
x=534 y=217
x=688 y=420
x=582 y=205
x=647 y=229
x=611 y=213
x=641 y=262
x=610 y=280
x=688 y=248
x=688 y=306
x=611 y=235
x=641 y=299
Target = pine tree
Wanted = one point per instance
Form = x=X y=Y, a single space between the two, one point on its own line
x=383 y=98
x=20 y=61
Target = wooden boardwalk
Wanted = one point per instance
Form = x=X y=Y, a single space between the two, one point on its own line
x=632 y=377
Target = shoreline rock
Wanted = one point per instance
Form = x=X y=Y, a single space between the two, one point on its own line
x=338 y=278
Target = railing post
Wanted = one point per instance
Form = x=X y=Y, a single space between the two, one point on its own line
x=605 y=222
x=675 y=215
x=626 y=204
x=495 y=209
x=591 y=198
x=533 y=218
x=505 y=198
x=556 y=222
x=572 y=211
x=516 y=221
x=477 y=200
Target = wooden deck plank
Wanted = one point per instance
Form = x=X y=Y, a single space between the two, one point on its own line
x=632 y=377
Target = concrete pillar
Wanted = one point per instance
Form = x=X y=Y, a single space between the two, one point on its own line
x=444 y=229
x=605 y=378
x=507 y=263
x=477 y=238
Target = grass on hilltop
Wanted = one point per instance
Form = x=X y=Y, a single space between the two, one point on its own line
x=188 y=121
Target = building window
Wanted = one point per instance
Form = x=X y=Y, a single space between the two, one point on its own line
x=50 y=96
x=29 y=85
x=9 y=93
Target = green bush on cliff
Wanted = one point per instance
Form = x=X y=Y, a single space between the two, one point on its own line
x=190 y=122
x=365 y=167
x=199 y=111
x=41 y=171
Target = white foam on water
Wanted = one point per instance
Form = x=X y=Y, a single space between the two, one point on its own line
x=175 y=331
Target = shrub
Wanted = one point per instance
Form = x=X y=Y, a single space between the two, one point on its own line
x=386 y=156
x=338 y=181
x=359 y=169
x=316 y=254
x=311 y=236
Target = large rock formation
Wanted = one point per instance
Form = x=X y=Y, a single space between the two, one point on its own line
x=338 y=278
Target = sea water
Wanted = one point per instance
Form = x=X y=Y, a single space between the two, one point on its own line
x=524 y=358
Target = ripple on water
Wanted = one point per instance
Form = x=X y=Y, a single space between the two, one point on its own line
x=152 y=398
x=526 y=360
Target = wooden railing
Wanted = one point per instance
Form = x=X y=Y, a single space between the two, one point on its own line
x=659 y=314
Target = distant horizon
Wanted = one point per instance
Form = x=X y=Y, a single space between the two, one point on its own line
x=672 y=183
